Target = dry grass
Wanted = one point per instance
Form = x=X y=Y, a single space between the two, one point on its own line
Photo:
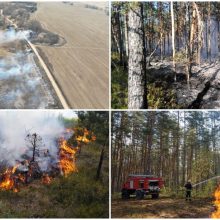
x=81 y=65
x=4 y=52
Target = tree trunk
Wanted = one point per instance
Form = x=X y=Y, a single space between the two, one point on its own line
x=173 y=39
x=126 y=34
x=137 y=92
x=98 y=173
x=34 y=147
x=209 y=32
x=200 y=31
x=191 y=42
x=218 y=35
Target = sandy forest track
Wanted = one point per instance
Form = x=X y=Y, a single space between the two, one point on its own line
x=162 y=208
x=81 y=65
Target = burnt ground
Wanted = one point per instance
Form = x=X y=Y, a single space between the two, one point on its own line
x=162 y=208
x=203 y=91
x=23 y=83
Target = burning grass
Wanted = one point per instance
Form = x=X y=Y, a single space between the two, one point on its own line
x=77 y=195
x=216 y=213
x=66 y=163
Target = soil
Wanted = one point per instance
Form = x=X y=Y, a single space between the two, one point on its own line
x=162 y=208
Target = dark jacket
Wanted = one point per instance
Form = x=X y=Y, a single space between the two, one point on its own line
x=188 y=186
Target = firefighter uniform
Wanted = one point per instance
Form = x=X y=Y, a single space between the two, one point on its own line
x=188 y=187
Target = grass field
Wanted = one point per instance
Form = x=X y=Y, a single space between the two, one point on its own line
x=80 y=67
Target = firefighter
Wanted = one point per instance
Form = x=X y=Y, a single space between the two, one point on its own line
x=188 y=187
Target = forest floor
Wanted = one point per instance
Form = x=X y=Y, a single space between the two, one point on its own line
x=203 y=90
x=162 y=208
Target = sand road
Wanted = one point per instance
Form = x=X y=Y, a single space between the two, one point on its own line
x=80 y=67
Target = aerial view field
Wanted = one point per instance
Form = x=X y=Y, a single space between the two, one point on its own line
x=81 y=65
x=51 y=61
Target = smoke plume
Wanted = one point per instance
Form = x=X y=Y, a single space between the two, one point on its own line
x=12 y=35
x=16 y=125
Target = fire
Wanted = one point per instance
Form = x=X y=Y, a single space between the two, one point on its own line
x=216 y=214
x=8 y=182
x=84 y=136
x=21 y=177
x=46 y=179
x=68 y=153
x=67 y=158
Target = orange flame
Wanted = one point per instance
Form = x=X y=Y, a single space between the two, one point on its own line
x=216 y=214
x=46 y=179
x=67 y=163
x=84 y=136
x=68 y=154
x=8 y=181
x=67 y=158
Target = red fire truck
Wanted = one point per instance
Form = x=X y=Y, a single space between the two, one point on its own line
x=141 y=185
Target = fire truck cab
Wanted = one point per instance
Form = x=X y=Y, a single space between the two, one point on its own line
x=142 y=185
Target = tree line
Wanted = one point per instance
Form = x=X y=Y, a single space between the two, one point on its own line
x=177 y=146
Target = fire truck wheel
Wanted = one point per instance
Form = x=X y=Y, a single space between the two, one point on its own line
x=139 y=194
x=155 y=196
x=125 y=194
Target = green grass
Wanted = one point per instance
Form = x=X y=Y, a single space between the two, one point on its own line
x=119 y=85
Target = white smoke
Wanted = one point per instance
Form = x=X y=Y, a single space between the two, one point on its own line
x=14 y=66
x=12 y=35
x=15 y=125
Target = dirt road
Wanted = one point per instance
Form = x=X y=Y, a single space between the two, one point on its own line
x=80 y=67
x=162 y=208
x=47 y=71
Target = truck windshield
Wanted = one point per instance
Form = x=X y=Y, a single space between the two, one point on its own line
x=153 y=183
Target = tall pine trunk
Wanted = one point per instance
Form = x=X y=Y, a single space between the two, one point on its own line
x=137 y=92
x=209 y=31
x=173 y=38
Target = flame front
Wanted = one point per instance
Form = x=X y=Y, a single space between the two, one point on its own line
x=68 y=153
x=216 y=214
x=8 y=181
x=67 y=158
x=84 y=136
x=46 y=179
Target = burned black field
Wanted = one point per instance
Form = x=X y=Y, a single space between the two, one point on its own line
x=56 y=173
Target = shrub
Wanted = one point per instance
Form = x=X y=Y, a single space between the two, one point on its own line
x=34 y=26
x=119 y=84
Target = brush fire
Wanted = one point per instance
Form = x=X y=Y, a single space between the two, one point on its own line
x=216 y=214
x=27 y=170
